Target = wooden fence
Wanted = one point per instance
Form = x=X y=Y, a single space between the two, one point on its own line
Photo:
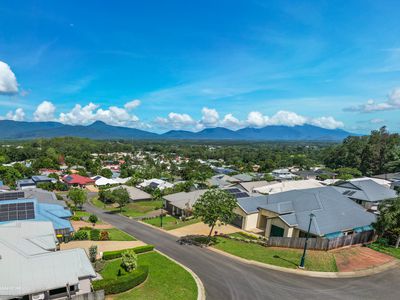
x=323 y=243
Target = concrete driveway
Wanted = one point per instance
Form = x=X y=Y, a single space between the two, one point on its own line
x=202 y=229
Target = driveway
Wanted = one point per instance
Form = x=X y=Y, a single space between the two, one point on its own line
x=226 y=278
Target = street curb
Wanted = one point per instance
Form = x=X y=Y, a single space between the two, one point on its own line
x=201 y=292
x=355 y=274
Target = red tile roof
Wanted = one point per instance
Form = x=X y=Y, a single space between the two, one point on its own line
x=77 y=179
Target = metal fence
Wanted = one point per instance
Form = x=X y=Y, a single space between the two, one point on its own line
x=323 y=243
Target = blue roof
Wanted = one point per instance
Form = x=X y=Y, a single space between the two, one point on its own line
x=47 y=212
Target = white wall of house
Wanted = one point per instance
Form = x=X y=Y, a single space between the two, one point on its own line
x=249 y=221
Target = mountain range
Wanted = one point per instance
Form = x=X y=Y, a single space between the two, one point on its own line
x=11 y=130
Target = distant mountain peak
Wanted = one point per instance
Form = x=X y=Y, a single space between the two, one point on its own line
x=100 y=130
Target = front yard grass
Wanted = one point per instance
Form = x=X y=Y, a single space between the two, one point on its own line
x=390 y=250
x=166 y=279
x=132 y=209
x=289 y=258
x=170 y=222
x=141 y=208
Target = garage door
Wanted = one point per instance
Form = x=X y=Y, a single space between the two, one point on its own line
x=277 y=231
x=238 y=221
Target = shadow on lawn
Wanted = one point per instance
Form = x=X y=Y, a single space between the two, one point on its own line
x=284 y=259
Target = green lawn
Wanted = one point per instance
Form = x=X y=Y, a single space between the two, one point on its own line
x=140 y=208
x=81 y=214
x=166 y=280
x=118 y=235
x=288 y=258
x=170 y=222
x=386 y=249
x=115 y=234
x=133 y=209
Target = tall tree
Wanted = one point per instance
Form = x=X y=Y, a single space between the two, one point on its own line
x=215 y=206
x=78 y=196
x=388 y=222
x=121 y=197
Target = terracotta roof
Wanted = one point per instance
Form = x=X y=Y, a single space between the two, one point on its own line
x=77 y=179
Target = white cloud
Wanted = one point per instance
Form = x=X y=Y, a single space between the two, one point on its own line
x=132 y=104
x=8 y=81
x=83 y=115
x=230 y=121
x=326 y=122
x=44 y=112
x=392 y=103
x=376 y=121
x=175 y=120
x=256 y=119
x=210 y=117
x=287 y=118
x=18 y=115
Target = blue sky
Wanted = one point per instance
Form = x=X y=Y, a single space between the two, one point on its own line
x=163 y=65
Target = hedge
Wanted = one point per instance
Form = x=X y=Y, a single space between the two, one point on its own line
x=122 y=283
x=108 y=255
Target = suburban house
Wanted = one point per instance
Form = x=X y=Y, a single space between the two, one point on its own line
x=383 y=182
x=135 y=194
x=22 y=209
x=181 y=204
x=223 y=170
x=283 y=174
x=42 y=179
x=389 y=176
x=103 y=181
x=252 y=185
x=315 y=174
x=244 y=177
x=47 y=172
x=76 y=180
x=222 y=180
x=42 y=196
x=287 y=185
x=31 y=268
x=367 y=192
x=25 y=184
x=155 y=183
x=287 y=214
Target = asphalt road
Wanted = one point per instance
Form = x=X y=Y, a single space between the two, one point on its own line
x=226 y=278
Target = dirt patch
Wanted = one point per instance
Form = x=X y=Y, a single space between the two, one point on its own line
x=101 y=245
x=79 y=224
x=359 y=258
x=203 y=229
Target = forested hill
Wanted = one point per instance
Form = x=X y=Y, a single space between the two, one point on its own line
x=13 y=130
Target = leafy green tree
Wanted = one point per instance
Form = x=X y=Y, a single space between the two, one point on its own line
x=129 y=260
x=388 y=222
x=107 y=173
x=121 y=197
x=269 y=177
x=93 y=253
x=215 y=206
x=78 y=196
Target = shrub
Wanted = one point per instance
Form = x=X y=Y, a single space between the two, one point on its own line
x=108 y=255
x=93 y=219
x=93 y=253
x=383 y=242
x=122 y=283
x=129 y=260
x=59 y=197
x=104 y=236
x=81 y=235
x=75 y=218
x=95 y=235
x=85 y=228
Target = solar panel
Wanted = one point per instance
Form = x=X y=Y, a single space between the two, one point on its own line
x=351 y=193
x=241 y=195
x=233 y=191
x=17 y=211
x=11 y=195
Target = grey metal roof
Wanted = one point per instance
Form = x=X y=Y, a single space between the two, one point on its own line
x=244 y=177
x=389 y=176
x=333 y=211
x=135 y=194
x=366 y=190
x=184 y=200
x=43 y=196
x=249 y=186
x=27 y=248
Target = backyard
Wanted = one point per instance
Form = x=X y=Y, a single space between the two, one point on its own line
x=166 y=279
x=288 y=258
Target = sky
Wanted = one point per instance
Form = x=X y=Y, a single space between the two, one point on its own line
x=162 y=65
